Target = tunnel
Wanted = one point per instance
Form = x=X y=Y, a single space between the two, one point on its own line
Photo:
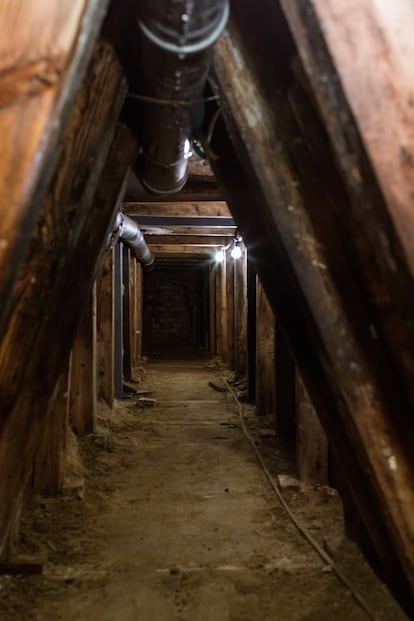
x=206 y=333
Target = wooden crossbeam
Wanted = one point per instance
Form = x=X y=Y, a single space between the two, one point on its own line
x=200 y=208
x=188 y=240
x=183 y=249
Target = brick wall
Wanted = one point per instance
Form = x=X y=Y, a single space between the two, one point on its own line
x=172 y=309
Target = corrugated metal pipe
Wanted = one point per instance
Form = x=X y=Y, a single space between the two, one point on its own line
x=128 y=231
x=177 y=40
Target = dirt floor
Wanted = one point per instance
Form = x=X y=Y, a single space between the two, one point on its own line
x=179 y=523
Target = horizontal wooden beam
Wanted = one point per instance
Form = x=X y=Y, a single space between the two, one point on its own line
x=182 y=249
x=193 y=209
x=220 y=231
x=188 y=240
x=195 y=191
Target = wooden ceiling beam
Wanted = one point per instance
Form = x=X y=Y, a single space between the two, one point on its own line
x=213 y=231
x=182 y=249
x=190 y=209
x=188 y=240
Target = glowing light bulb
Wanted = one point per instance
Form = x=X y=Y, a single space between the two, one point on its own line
x=219 y=256
x=236 y=252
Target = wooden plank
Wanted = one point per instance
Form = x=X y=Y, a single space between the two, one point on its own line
x=58 y=275
x=188 y=240
x=183 y=249
x=240 y=316
x=133 y=312
x=49 y=467
x=230 y=308
x=105 y=328
x=285 y=387
x=138 y=306
x=265 y=355
x=126 y=312
x=195 y=209
x=212 y=308
x=311 y=441
x=39 y=79
x=193 y=192
x=354 y=393
x=223 y=231
x=82 y=392
x=373 y=161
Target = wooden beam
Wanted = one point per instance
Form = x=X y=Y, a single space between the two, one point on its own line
x=374 y=159
x=126 y=313
x=240 y=316
x=265 y=355
x=49 y=467
x=195 y=209
x=303 y=267
x=311 y=442
x=212 y=308
x=230 y=308
x=188 y=240
x=139 y=308
x=105 y=328
x=192 y=192
x=212 y=231
x=183 y=249
x=82 y=392
x=57 y=276
x=39 y=79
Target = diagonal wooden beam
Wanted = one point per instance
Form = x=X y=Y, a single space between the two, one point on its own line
x=44 y=52
x=71 y=229
x=289 y=227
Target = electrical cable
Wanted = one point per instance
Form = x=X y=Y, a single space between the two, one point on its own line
x=324 y=556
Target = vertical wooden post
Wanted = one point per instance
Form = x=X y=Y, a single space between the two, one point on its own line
x=212 y=305
x=50 y=460
x=133 y=311
x=240 y=315
x=230 y=308
x=105 y=328
x=311 y=441
x=83 y=402
x=126 y=279
x=265 y=355
x=285 y=387
x=139 y=281
x=221 y=310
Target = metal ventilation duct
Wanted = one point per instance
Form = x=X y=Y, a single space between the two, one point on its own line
x=128 y=231
x=177 y=39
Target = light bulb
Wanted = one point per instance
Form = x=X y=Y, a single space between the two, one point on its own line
x=219 y=256
x=236 y=252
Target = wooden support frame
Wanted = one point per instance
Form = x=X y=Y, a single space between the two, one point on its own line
x=49 y=467
x=39 y=79
x=355 y=394
x=71 y=229
x=105 y=328
x=265 y=354
x=240 y=316
x=83 y=375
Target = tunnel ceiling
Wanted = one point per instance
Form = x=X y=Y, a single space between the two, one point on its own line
x=188 y=226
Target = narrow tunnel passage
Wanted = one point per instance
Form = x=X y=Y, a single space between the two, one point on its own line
x=181 y=524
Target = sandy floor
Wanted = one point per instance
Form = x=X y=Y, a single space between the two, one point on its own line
x=178 y=523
